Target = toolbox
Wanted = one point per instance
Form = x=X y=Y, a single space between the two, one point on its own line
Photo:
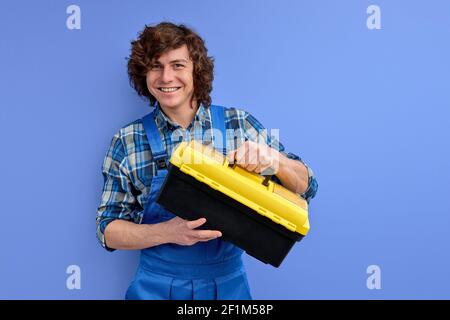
x=253 y=212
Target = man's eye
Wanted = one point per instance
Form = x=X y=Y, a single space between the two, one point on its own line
x=156 y=67
x=179 y=65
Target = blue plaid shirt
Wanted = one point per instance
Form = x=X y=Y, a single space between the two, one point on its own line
x=128 y=167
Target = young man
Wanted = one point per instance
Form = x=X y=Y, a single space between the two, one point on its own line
x=169 y=66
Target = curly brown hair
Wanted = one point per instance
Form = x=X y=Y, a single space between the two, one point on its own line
x=153 y=41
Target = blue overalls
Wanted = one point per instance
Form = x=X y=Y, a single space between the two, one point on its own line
x=204 y=271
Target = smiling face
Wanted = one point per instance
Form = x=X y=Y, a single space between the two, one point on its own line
x=170 y=79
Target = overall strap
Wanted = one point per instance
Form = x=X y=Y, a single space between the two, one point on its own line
x=157 y=149
x=218 y=123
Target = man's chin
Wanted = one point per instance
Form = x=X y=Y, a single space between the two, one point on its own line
x=171 y=105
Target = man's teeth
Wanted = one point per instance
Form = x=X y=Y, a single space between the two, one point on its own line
x=168 y=89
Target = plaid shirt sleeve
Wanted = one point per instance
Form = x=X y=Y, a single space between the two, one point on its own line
x=255 y=131
x=118 y=199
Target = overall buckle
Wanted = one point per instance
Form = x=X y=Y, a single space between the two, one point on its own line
x=161 y=162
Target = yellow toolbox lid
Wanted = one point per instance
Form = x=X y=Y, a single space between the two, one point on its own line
x=272 y=200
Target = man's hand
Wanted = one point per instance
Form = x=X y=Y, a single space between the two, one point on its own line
x=180 y=231
x=254 y=157
x=262 y=159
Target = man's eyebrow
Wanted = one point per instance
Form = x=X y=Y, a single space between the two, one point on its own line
x=173 y=61
x=179 y=60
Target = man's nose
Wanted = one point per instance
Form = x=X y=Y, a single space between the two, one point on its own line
x=167 y=74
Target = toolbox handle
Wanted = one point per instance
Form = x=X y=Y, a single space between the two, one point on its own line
x=266 y=178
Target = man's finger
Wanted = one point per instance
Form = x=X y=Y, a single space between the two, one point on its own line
x=230 y=156
x=204 y=239
x=206 y=234
x=252 y=164
x=195 y=223
x=241 y=155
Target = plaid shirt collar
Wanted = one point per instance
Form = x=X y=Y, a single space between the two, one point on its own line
x=162 y=120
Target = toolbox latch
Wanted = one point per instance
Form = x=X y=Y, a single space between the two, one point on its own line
x=266 y=180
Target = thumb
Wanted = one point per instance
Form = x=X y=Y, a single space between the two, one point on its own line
x=231 y=156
